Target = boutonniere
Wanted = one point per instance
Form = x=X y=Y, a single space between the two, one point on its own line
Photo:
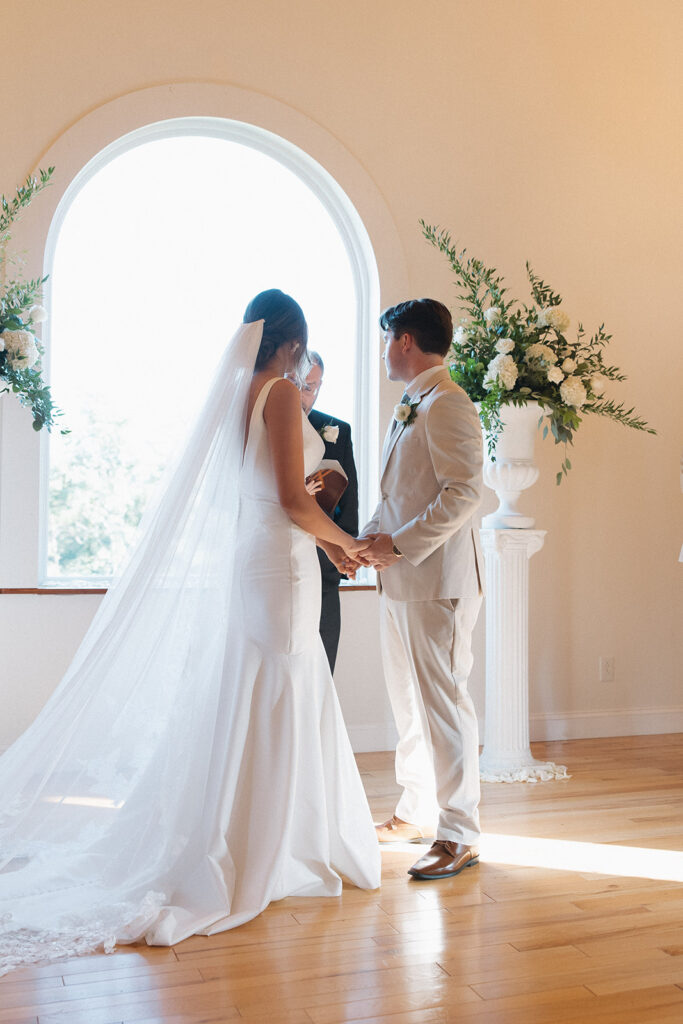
x=329 y=433
x=406 y=412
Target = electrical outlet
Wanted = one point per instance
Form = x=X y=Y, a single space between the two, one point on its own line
x=607 y=671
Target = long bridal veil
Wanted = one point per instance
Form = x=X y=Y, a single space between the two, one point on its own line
x=105 y=799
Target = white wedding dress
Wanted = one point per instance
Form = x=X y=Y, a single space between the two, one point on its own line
x=193 y=765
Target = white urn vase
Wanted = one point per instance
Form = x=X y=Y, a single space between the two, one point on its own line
x=514 y=469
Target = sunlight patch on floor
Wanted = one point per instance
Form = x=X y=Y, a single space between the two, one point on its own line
x=596 y=858
x=567 y=855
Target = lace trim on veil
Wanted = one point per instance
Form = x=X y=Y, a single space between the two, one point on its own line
x=23 y=946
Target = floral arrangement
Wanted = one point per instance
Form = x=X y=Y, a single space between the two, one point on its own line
x=507 y=352
x=20 y=312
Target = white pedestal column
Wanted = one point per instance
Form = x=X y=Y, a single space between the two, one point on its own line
x=507 y=755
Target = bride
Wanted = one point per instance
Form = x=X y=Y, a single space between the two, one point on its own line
x=193 y=763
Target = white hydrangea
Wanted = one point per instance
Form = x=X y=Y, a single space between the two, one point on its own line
x=572 y=392
x=38 y=314
x=504 y=345
x=543 y=353
x=557 y=319
x=459 y=336
x=598 y=384
x=491 y=314
x=568 y=365
x=22 y=352
x=555 y=375
x=501 y=370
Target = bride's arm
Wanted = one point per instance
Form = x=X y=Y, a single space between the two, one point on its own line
x=282 y=415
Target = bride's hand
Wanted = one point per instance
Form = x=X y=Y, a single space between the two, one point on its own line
x=344 y=563
x=355 y=550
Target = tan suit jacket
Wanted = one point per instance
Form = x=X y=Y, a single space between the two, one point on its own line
x=431 y=484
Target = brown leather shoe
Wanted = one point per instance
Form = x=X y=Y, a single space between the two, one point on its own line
x=397 y=831
x=445 y=859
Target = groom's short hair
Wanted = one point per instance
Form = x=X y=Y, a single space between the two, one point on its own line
x=429 y=322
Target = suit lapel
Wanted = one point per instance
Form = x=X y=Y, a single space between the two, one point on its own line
x=392 y=436
x=390 y=442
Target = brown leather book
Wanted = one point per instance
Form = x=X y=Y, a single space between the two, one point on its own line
x=334 y=482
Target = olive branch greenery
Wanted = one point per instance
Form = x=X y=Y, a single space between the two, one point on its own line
x=507 y=352
x=19 y=300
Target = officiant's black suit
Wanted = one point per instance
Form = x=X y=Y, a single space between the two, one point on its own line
x=346 y=517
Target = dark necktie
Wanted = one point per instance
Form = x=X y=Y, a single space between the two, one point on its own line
x=405 y=398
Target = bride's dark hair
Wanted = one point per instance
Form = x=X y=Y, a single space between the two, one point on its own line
x=284 y=321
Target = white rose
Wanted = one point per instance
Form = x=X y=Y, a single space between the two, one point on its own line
x=542 y=318
x=501 y=370
x=402 y=412
x=568 y=365
x=541 y=352
x=573 y=392
x=555 y=375
x=505 y=345
x=38 y=314
x=557 y=319
x=491 y=314
x=330 y=433
x=459 y=336
x=597 y=384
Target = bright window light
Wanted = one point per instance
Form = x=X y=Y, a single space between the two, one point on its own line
x=156 y=260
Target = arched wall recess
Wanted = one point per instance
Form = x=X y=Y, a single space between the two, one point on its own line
x=317 y=157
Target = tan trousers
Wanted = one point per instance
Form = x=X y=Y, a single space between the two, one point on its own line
x=427 y=658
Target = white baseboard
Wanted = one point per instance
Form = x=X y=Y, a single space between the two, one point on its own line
x=369 y=738
x=553 y=725
x=579 y=725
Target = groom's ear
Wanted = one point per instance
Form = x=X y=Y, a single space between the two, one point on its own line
x=407 y=341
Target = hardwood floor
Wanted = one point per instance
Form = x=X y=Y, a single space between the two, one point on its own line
x=502 y=943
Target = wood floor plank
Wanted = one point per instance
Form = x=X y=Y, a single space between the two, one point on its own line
x=500 y=944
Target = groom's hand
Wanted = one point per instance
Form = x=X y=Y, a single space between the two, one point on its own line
x=380 y=554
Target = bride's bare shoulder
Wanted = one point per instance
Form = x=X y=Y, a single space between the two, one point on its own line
x=282 y=392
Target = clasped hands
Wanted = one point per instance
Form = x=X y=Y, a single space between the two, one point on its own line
x=376 y=549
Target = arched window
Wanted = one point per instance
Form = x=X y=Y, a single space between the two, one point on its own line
x=153 y=254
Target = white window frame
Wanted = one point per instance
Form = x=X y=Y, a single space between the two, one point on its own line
x=363 y=268
x=319 y=158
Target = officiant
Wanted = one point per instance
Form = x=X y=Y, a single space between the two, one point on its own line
x=337 y=437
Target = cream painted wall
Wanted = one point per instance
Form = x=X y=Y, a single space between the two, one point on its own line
x=536 y=129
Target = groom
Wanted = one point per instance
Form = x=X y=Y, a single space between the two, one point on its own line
x=426 y=549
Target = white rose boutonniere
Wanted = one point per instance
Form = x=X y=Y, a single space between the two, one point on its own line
x=329 y=433
x=405 y=412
